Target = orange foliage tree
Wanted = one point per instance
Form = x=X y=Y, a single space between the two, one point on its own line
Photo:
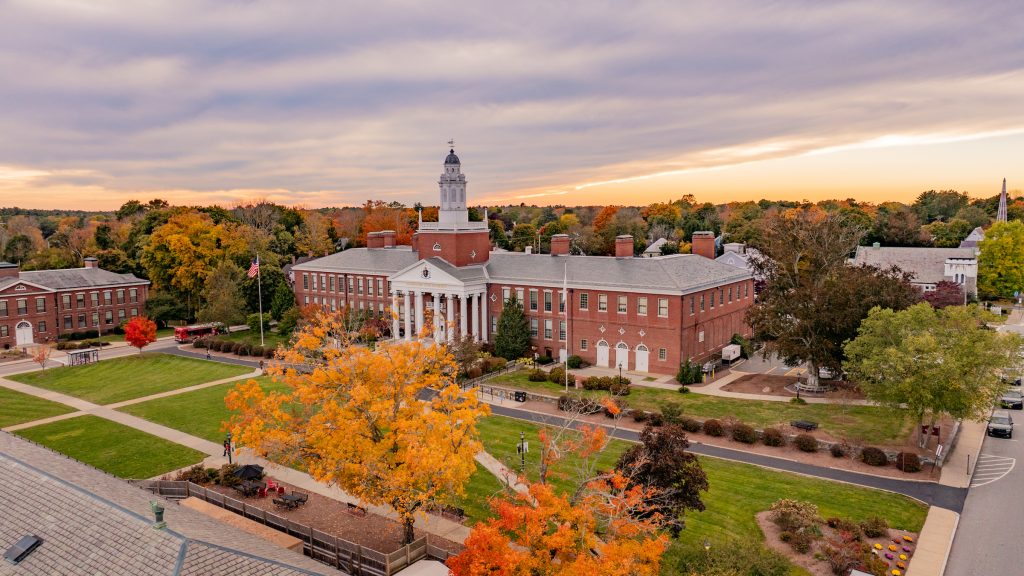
x=354 y=417
x=140 y=332
x=41 y=354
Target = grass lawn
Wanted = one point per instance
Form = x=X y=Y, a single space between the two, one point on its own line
x=129 y=377
x=199 y=413
x=16 y=407
x=115 y=448
x=270 y=339
x=868 y=424
x=738 y=491
x=480 y=488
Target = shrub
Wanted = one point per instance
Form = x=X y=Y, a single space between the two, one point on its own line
x=684 y=389
x=797 y=401
x=875 y=527
x=578 y=404
x=908 y=462
x=242 y=349
x=785 y=536
x=801 y=542
x=622 y=408
x=689 y=373
x=672 y=412
x=850 y=529
x=253 y=320
x=226 y=477
x=806 y=443
x=256 y=351
x=793 y=515
x=744 y=433
x=843 y=555
x=837 y=450
x=713 y=427
x=873 y=456
x=557 y=375
x=268 y=352
x=544 y=360
x=474 y=372
x=574 y=362
x=656 y=419
x=199 y=343
x=196 y=474
x=691 y=425
x=495 y=363
x=746 y=347
x=537 y=376
x=85 y=346
x=639 y=415
x=773 y=437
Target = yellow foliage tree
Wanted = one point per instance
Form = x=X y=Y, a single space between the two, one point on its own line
x=354 y=417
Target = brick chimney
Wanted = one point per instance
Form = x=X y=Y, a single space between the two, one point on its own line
x=8 y=270
x=91 y=262
x=375 y=240
x=560 y=245
x=624 y=246
x=703 y=244
x=389 y=238
x=415 y=242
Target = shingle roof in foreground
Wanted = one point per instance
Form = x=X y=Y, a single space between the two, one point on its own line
x=92 y=523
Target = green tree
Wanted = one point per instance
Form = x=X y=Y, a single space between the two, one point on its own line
x=18 y=248
x=948 y=234
x=267 y=284
x=813 y=300
x=523 y=235
x=283 y=300
x=498 y=236
x=163 y=307
x=974 y=215
x=513 y=336
x=223 y=299
x=939 y=205
x=1001 y=261
x=931 y=362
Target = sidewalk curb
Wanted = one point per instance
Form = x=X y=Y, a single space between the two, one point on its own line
x=938 y=556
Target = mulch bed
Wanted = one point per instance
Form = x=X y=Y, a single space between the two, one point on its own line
x=333 y=517
x=773 y=385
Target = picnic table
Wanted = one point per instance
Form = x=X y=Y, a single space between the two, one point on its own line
x=291 y=501
x=804 y=425
x=250 y=488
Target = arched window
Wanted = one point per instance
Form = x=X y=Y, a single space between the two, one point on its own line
x=641 y=348
x=622 y=346
x=437 y=247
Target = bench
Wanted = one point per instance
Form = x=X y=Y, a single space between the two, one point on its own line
x=805 y=425
x=355 y=509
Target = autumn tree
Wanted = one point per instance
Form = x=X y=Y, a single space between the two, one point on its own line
x=946 y=293
x=931 y=362
x=140 y=332
x=813 y=301
x=40 y=354
x=354 y=417
x=1001 y=260
x=512 y=338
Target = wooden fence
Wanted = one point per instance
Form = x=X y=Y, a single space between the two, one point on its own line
x=331 y=550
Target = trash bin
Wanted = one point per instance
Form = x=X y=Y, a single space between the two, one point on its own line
x=520 y=396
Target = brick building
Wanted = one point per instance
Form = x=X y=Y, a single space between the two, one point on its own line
x=645 y=314
x=40 y=305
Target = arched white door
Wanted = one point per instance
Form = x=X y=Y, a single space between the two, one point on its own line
x=622 y=355
x=642 y=355
x=602 y=354
x=23 y=334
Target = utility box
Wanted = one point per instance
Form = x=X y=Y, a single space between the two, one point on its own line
x=731 y=352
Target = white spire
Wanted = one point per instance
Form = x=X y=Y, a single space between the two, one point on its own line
x=1001 y=213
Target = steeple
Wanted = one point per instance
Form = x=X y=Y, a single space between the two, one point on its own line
x=453 y=191
x=1001 y=213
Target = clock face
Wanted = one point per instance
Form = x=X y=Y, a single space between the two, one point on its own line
x=426 y=272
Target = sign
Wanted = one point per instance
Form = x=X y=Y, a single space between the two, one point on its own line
x=522 y=448
x=938 y=452
x=935 y=430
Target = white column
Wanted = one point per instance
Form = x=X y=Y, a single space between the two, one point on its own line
x=476 y=316
x=408 y=315
x=418 y=296
x=449 y=302
x=438 y=318
x=484 y=319
x=463 y=314
x=395 y=328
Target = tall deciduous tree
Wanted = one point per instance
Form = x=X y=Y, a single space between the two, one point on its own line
x=356 y=418
x=140 y=332
x=513 y=336
x=813 y=300
x=931 y=362
x=223 y=296
x=1001 y=261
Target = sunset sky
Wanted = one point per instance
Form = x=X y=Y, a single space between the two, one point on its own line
x=330 y=103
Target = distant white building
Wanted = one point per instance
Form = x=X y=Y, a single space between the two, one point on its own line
x=929 y=266
x=655 y=248
x=738 y=255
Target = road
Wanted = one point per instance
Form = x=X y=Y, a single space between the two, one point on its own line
x=991 y=528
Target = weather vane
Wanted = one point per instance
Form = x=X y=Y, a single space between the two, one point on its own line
x=451 y=143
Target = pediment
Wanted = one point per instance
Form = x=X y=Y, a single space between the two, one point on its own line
x=426 y=272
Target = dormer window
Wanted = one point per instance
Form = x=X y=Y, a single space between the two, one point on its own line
x=437 y=247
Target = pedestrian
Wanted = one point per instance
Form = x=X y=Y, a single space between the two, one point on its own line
x=207 y=353
x=261 y=367
x=227 y=447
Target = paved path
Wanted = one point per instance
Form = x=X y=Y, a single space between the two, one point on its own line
x=934 y=542
x=504 y=475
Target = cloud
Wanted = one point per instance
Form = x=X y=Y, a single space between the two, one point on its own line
x=334 y=103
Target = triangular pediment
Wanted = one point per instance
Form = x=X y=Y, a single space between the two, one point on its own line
x=429 y=271
x=22 y=286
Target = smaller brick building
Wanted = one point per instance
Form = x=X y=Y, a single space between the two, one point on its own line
x=41 y=305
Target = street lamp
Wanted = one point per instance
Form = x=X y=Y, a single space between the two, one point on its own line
x=227 y=446
x=707 y=547
x=620 y=372
x=522 y=452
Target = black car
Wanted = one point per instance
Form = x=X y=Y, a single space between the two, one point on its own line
x=1000 y=424
x=1012 y=399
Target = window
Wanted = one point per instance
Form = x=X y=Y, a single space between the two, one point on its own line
x=41 y=327
x=584 y=301
x=746 y=290
x=351 y=280
x=94 y=297
x=662 y=354
x=519 y=295
x=547 y=301
x=106 y=297
x=583 y=344
x=65 y=301
x=331 y=280
x=120 y=296
x=120 y=315
x=712 y=299
x=701 y=302
x=3 y=307
x=437 y=247
x=533 y=299
x=67 y=323
x=506 y=293
x=641 y=305
x=323 y=282
x=494 y=324
x=133 y=295
x=305 y=281
x=721 y=296
x=334 y=305
x=81 y=321
x=561 y=330
x=623 y=302
x=95 y=319
x=700 y=336
x=547 y=329
x=306 y=300
x=533 y=327
x=135 y=312
x=80 y=299
x=314 y=283
x=40 y=304
x=691 y=305
x=22 y=306
x=359 y=286
x=602 y=302
x=730 y=293
x=663 y=307
x=3 y=331
x=380 y=288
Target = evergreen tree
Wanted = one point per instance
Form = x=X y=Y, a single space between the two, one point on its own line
x=283 y=300
x=224 y=302
x=513 y=336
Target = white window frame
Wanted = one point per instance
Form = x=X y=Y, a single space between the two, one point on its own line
x=622 y=304
x=602 y=302
x=662 y=307
x=641 y=305
x=584 y=301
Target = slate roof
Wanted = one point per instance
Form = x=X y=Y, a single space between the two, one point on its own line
x=92 y=523
x=926 y=264
x=71 y=278
x=363 y=260
x=976 y=235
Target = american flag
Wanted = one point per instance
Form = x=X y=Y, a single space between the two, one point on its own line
x=254 y=269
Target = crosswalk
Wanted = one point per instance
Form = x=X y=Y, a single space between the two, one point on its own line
x=991 y=468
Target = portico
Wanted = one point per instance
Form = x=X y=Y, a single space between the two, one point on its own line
x=446 y=302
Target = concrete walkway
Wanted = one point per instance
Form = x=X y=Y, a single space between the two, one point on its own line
x=933 y=543
x=502 y=472
x=957 y=468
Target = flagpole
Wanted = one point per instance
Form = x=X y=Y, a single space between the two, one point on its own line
x=259 y=292
x=568 y=339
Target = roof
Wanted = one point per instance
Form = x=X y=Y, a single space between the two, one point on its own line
x=79 y=278
x=655 y=247
x=976 y=235
x=928 y=265
x=363 y=260
x=452 y=158
x=92 y=523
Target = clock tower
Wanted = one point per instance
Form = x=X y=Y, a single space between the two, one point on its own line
x=453 y=237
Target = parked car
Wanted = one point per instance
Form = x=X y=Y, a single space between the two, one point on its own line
x=1012 y=399
x=1000 y=424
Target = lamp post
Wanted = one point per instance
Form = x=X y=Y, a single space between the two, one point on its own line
x=227 y=446
x=620 y=372
x=522 y=452
x=707 y=547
